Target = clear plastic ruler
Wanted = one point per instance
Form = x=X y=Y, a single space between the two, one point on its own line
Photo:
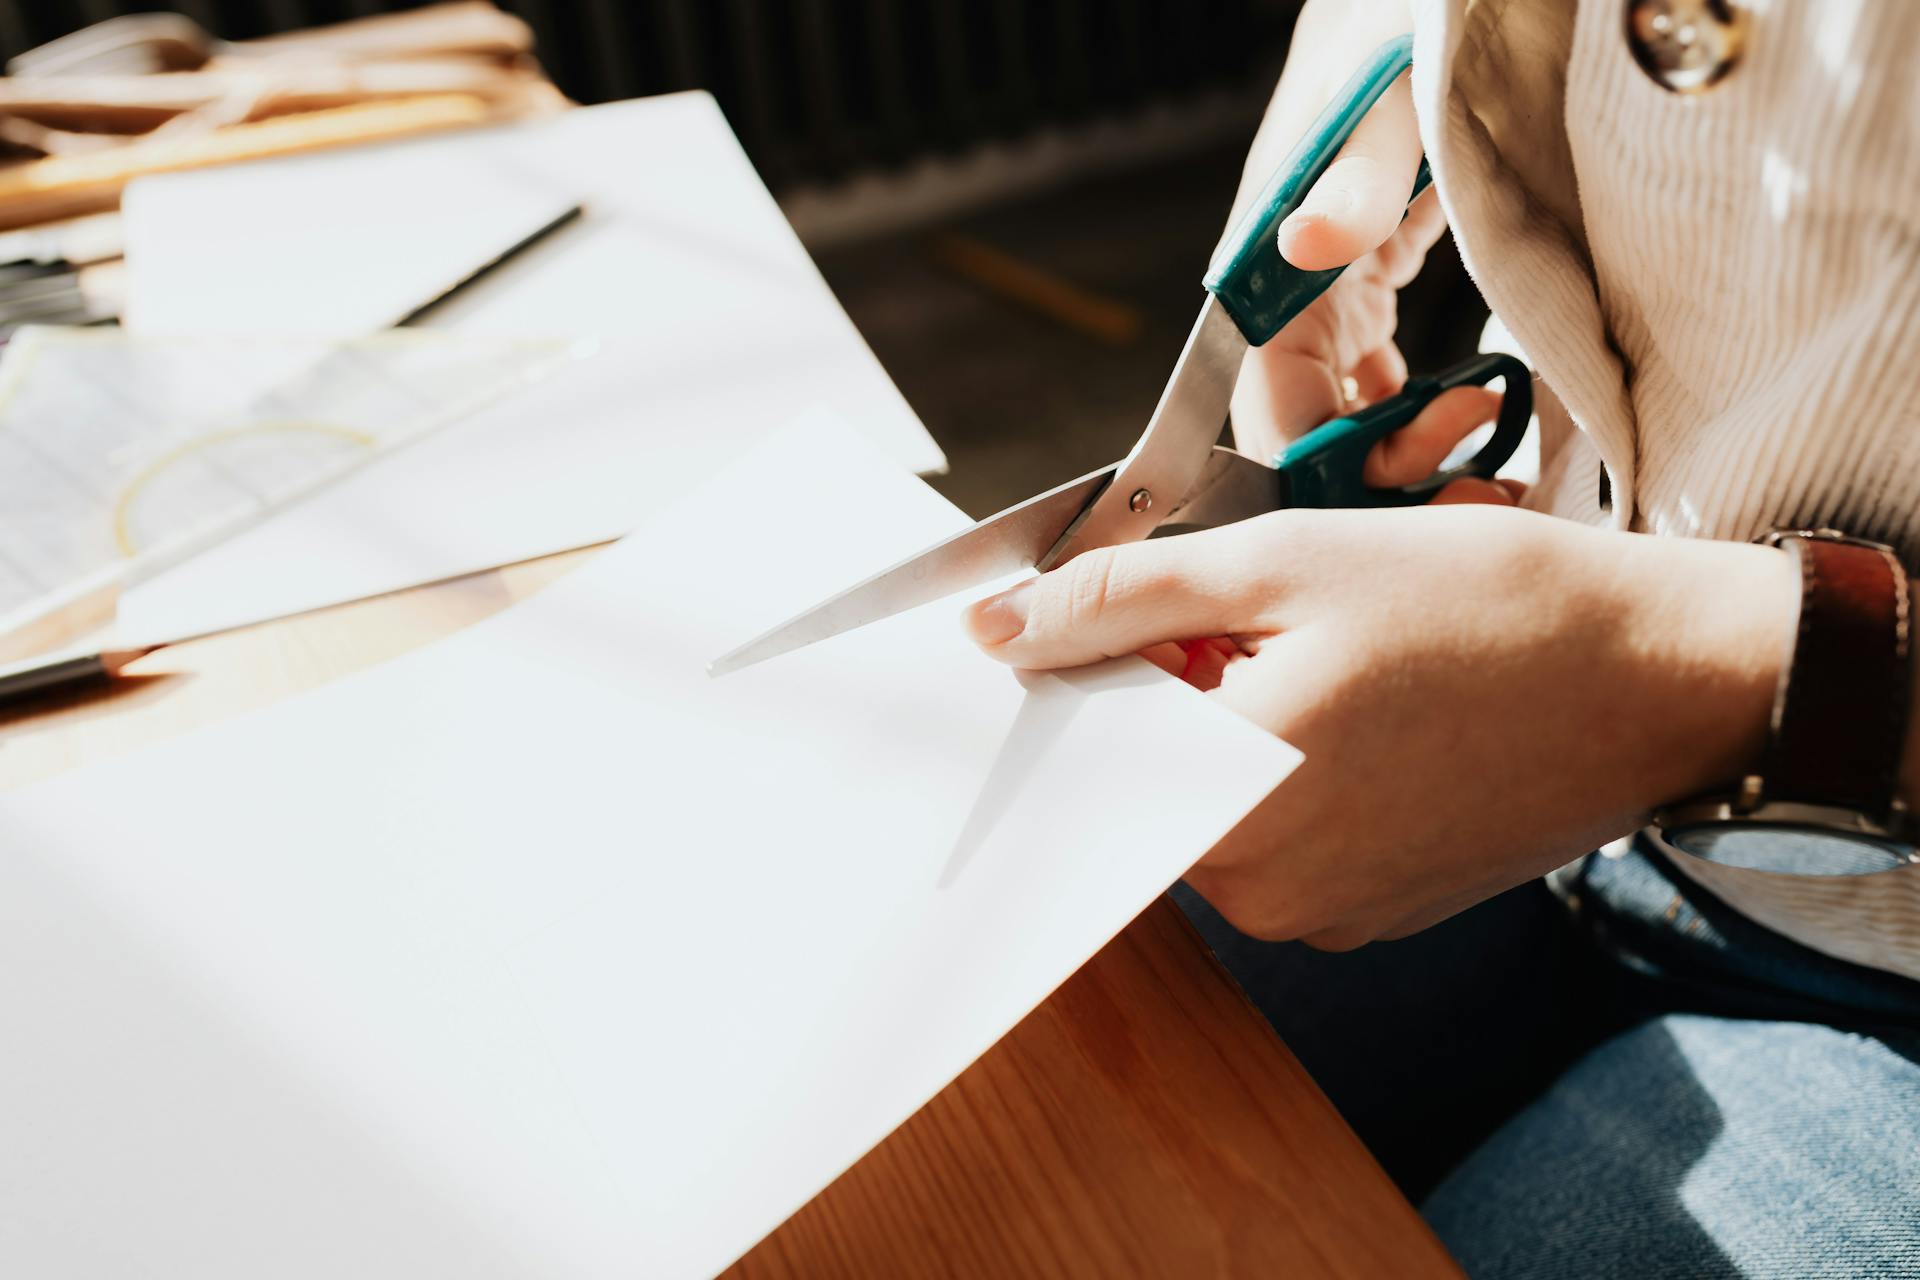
x=121 y=455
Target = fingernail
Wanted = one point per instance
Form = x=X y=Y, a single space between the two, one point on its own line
x=1000 y=618
x=1327 y=201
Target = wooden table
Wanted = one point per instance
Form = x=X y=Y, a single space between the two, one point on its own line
x=1144 y=1121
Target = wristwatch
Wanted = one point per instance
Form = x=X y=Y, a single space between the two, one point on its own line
x=1824 y=798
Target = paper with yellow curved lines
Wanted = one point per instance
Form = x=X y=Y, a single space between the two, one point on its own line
x=123 y=455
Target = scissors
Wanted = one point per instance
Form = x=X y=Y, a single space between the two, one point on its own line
x=1177 y=477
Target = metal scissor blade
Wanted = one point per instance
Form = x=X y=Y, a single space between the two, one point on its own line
x=1231 y=488
x=1173 y=451
x=1013 y=540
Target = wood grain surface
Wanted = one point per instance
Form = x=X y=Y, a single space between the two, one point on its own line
x=1143 y=1121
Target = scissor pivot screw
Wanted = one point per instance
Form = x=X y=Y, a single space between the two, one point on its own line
x=1141 y=501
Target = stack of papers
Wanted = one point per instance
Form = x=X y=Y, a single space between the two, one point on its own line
x=712 y=328
x=537 y=952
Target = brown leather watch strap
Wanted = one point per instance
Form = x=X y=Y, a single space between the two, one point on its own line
x=1839 y=720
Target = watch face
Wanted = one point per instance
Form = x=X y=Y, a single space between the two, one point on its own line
x=1799 y=851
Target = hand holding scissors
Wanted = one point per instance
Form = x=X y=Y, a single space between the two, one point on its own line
x=1481 y=693
x=1176 y=477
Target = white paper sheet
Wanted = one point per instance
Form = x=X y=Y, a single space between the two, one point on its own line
x=537 y=952
x=340 y=243
x=713 y=326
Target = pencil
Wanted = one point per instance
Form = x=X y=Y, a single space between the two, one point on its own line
x=488 y=267
x=39 y=676
x=33 y=677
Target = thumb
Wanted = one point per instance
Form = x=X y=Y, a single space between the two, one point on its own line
x=1115 y=600
x=1358 y=202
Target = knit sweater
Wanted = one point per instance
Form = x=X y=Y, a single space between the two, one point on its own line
x=1720 y=293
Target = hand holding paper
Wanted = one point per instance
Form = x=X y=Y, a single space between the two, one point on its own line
x=1399 y=649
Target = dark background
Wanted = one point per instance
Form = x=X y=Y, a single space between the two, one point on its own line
x=819 y=88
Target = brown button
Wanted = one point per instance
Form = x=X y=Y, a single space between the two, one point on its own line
x=1685 y=45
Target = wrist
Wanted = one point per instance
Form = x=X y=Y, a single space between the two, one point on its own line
x=1712 y=626
x=1828 y=780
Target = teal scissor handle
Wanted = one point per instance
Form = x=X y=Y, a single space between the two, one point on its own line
x=1323 y=468
x=1261 y=290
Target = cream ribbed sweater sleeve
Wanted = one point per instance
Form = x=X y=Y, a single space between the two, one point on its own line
x=1721 y=292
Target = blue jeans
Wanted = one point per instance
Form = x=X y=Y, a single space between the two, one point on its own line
x=1627 y=1079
